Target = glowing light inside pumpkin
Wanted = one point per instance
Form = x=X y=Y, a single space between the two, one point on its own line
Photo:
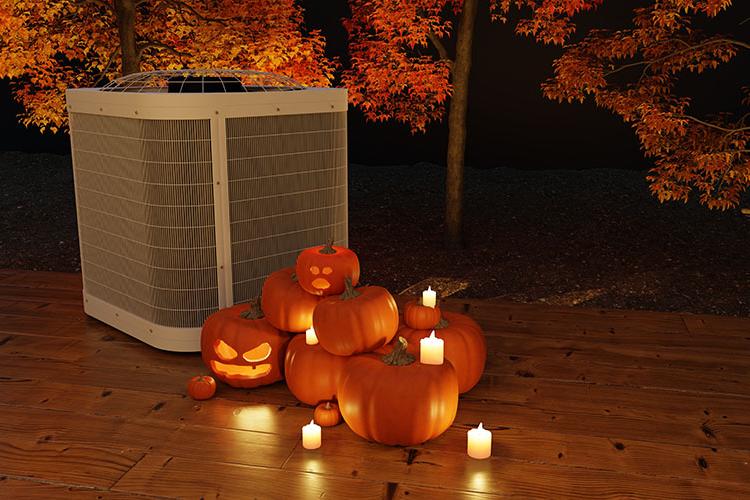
x=224 y=351
x=258 y=354
x=239 y=372
x=321 y=283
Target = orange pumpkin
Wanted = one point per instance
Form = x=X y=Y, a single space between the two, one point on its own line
x=420 y=317
x=393 y=400
x=312 y=373
x=241 y=348
x=358 y=320
x=285 y=303
x=465 y=346
x=321 y=270
x=201 y=387
x=327 y=414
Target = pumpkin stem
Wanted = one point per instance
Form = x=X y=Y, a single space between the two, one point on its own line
x=399 y=356
x=294 y=277
x=328 y=405
x=349 y=291
x=328 y=248
x=443 y=323
x=254 y=312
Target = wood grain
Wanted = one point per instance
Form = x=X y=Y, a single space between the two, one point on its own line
x=581 y=402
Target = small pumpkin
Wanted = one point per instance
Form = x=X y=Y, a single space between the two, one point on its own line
x=201 y=387
x=285 y=303
x=241 y=348
x=421 y=317
x=359 y=320
x=312 y=373
x=465 y=346
x=327 y=414
x=393 y=400
x=321 y=270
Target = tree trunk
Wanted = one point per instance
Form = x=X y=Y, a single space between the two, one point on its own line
x=125 y=11
x=454 y=178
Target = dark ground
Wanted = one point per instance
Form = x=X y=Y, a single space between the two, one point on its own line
x=594 y=237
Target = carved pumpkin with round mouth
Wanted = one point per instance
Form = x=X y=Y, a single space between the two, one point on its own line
x=241 y=348
x=321 y=270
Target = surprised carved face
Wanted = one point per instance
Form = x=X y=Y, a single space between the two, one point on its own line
x=322 y=270
x=320 y=283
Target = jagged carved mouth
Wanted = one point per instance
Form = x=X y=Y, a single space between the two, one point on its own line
x=241 y=372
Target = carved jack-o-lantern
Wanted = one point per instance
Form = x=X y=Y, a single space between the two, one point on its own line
x=241 y=348
x=321 y=270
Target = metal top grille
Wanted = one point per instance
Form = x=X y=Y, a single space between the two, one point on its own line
x=182 y=81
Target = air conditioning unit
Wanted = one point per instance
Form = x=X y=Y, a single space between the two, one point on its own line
x=193 y=185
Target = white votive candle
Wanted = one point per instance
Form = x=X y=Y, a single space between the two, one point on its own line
x=310 y=337
x=479 y=444
x=431 y=350
x=311 y=436
x=429 y=297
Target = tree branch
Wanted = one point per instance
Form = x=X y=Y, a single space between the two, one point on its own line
x=111 y=58
x=442 y=51
x=158 y=45
x=729 y=131
x=701 y=45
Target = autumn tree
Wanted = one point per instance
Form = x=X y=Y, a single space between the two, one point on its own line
x=47 y=46
x=635 y=73
x=411 y=59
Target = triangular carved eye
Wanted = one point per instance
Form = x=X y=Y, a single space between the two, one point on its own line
x=258 y=354
x=315 y=270
x=224 y=351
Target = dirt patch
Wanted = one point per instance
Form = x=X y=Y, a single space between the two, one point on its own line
x=592 y=238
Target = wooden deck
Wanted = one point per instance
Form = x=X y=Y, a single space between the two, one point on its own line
x=581 y=402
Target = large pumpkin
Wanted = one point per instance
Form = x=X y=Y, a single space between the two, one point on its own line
x=241 y=348
x=465 y=346
x=321 y=270
x=358 y=320
x=396 y=401
x=312 y=373
x=285 y=303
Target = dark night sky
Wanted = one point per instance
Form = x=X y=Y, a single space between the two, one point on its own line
x=510 y=123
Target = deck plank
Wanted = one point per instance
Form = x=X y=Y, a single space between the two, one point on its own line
x=582 y=402
x=26 y=489
x=185 y=478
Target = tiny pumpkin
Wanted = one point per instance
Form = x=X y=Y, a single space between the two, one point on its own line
x=312 y=373
x=201 y=387
x=285 y=303
x=321 y=270
x=359 y=320
x=393 y=400
x=465 y=346
x=327 y=414
x=241 y=348
x=421 y=317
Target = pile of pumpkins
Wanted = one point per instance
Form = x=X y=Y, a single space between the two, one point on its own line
x=365 y=365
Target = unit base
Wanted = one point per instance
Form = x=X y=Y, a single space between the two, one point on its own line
x=162 y=337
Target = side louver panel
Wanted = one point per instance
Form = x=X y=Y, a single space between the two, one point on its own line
x=287 y=191
x=146 y=215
